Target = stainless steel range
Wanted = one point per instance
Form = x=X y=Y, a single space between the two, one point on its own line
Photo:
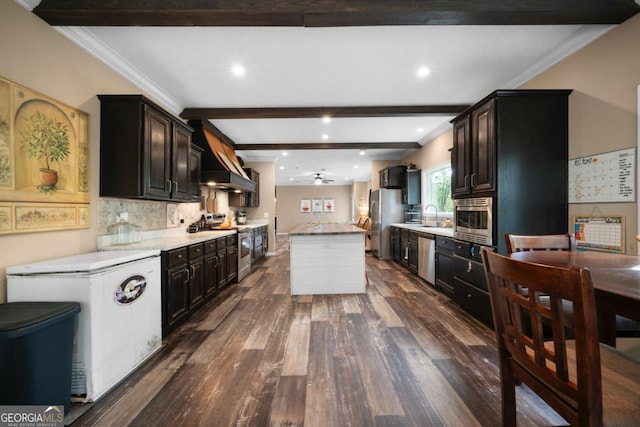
x=245 y=245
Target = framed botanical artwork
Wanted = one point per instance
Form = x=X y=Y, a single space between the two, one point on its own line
x=305 y=205
x=316 y=205
x=329 y=206
x=44 y=162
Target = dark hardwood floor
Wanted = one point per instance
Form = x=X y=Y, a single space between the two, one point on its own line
x=400 y=355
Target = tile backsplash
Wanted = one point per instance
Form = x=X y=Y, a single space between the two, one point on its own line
x=152 y=215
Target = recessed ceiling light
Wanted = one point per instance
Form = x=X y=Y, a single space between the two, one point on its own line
x=356 y=166
x=326 y=119
x=284 y=153
x=363 y=152
x=238 y=70
x=420 y=130
x=281 y=167
x=325 y=136
x=423 y=72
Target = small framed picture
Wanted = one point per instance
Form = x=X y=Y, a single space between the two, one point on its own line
x=316 y=205
x=328 y=205
x=305 y=205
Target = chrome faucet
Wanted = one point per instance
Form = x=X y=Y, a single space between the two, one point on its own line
x=427 y=208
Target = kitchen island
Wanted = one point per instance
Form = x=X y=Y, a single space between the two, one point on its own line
x=327 y=259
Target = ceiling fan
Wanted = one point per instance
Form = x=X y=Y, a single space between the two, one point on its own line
x=319 y=180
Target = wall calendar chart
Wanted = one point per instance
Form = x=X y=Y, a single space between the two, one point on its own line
x=601 y=178
x=601 y=233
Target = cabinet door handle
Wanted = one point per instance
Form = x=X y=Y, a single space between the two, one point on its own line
x=169 y=181
x=406 y=252
x=469 y=295
x=176 y=183
x=473 y=180
x=188 y=278
x=469 y=267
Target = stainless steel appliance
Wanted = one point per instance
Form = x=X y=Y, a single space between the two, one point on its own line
x=473 y=220
x=245 y=245
x=385 y=208
x=427 y=259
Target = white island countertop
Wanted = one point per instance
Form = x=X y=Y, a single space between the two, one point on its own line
x=328 y=229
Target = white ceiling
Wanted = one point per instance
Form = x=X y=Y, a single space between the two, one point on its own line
x=190 y=67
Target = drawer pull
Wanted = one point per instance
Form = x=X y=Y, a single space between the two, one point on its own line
x=469 y=295
x=179 y=256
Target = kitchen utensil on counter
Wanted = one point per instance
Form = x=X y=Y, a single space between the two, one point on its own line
x=123 y=232
x=210 y=202
x=214 y=207
x=242 y=218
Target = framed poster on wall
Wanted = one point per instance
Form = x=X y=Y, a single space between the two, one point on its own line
x=44 y=162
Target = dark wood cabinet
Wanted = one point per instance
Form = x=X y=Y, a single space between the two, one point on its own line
x=444 y=265
x=247 y=199
x=470 y=288
x=473 y=154
x=232 y=258
x=175 y=288
x=194 y=273
x=259 y=240
x=144 y=151
x=411 y=187
x=196 y=276
x=513 y=146
x=396 y=244
x=210 y=268
x=392 y=176
x=222 y=261
x=195 y=155
x=413 y=253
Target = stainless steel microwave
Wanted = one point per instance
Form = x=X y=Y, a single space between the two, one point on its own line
x=473 y=220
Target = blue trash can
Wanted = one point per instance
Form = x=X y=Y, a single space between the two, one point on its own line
x=36 y=347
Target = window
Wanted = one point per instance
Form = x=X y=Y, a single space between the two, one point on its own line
x=436 y=191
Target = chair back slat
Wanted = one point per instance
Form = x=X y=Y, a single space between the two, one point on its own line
x=524 y=296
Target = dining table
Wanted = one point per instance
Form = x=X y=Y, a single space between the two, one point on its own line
x=615 y=277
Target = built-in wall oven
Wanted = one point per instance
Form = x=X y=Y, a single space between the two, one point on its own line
x=245 y=244
x=473 y=220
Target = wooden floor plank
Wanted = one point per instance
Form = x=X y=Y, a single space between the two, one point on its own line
x=296 y=357
x=288 y=407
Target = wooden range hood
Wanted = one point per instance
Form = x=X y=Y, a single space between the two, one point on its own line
x=220 y=168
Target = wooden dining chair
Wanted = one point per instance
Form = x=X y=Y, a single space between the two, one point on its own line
x=548 y=242
x=587 y=383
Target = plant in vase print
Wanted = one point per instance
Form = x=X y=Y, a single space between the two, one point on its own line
x=44 y=138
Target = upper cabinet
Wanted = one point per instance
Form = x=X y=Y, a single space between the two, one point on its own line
x=473 y=155
x=506 y=139
x=247 y=199
x=411 y=187
x=392 y=176
x=145 y=152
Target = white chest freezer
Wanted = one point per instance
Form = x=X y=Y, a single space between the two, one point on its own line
x=119 y=325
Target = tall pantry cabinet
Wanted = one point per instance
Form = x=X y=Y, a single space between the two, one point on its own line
x=513 y=146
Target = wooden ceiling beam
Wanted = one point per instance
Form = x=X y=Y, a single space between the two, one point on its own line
x=333 y=13
x=315 y=112
x=330 y=146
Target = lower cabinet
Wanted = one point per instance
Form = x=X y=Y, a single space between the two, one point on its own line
x=444 y=265
x=232 y=258
x=192 y=274
x=470 y=283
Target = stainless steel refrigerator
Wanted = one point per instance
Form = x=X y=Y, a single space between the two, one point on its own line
x=385 y=207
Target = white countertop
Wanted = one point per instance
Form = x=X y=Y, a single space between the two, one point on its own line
x=168 y=239
x=440 y=231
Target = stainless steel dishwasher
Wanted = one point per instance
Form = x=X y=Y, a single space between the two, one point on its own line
x=426 y=258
